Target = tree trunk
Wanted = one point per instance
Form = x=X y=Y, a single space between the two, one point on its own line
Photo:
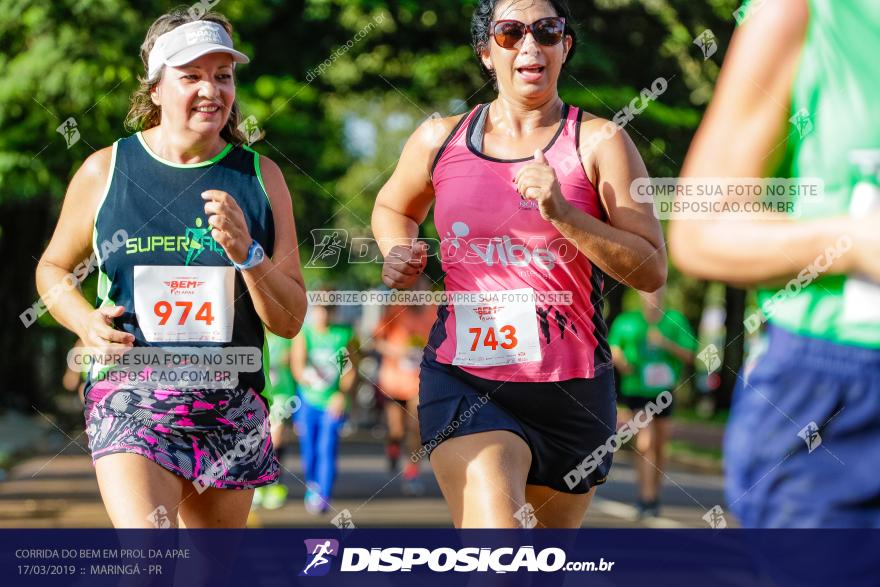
x=734 y=340
x=23 y=360
x=613 y=299
x=613 y=292
x=693 y=294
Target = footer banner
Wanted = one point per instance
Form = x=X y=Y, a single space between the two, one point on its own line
x=423 y=557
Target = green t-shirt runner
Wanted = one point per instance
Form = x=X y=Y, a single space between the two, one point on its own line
x=654 y=369
x=326 y=359
x=276 y=364
x=835 y=115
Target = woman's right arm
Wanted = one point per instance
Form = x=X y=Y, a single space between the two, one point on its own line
x=71 y=245
x=743 y=135
x=404 y=201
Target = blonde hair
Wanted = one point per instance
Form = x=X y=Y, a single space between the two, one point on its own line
x=143 y=113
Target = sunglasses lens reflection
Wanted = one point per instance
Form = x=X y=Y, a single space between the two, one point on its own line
x=547 y=31
x=508 y=34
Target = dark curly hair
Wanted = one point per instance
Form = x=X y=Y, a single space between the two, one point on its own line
x=484 y=13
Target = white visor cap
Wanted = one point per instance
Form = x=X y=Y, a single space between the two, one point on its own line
x=188 y=42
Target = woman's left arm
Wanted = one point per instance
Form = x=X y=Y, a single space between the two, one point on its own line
x=276 y=285
x=630 y=246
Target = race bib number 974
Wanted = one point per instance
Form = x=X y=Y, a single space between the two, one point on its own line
x=184 y=304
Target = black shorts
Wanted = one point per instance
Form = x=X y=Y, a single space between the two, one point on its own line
x=637 y=403
x=562 y=422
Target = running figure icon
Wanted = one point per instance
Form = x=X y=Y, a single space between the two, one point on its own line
x=319 y=554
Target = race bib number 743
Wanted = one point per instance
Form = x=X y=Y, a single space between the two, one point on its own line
x=501 y=328
x=184 y=304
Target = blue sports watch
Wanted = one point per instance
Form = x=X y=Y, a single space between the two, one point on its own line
x=255 y=256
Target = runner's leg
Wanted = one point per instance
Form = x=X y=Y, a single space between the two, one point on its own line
x=215 y=508
x=661 y=433
x=412 y=427
x=411 y=469
x=394 y=417
x=327 y=448
x=483 y=478
x=135 y=490
x=307 y=427
x=644 y=463
x=555 y=509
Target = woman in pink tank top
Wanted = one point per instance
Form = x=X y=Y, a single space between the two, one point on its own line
x=516 y=387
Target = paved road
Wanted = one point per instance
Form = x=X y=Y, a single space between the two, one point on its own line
x=61 y=491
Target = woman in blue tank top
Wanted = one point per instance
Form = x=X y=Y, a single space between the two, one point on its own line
x=201 y=255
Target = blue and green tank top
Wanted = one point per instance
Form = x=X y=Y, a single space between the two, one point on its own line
x=158 y=204
x=835 y=112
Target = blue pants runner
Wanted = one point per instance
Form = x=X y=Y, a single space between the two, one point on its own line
x=319 y=442
x=802 y=441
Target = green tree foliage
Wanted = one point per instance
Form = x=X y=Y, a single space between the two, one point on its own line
x=337 y=86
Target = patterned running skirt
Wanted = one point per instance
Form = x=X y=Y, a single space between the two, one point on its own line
x=214 y=438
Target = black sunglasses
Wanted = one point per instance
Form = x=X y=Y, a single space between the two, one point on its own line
x=546 y=31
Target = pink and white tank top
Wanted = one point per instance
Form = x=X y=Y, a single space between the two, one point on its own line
x=525 y=304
